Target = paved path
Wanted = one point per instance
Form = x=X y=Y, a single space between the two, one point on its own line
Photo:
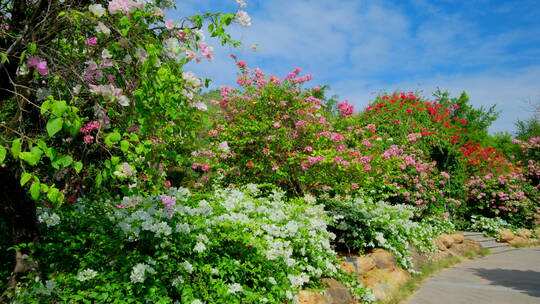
x=507 y=276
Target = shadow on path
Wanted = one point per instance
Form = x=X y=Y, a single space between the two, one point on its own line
x=524 y=281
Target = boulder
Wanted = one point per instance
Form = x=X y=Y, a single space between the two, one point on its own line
x=310 y=297
x=358 y=265
x=364 y=264
x=524 y=233
x=337 y=293
x=518 y=239
x=439 y=244
x=385 y=282
x=382 y=259
x=457 y=237
x=446 y=239
x=505 y=235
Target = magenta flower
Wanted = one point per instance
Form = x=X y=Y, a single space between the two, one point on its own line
x=91 y=41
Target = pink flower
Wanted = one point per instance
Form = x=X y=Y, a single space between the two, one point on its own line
x=367 y=167
x=88 y=139
x=297 y=70
x=241 y=64
x=169 y=24
x=325 y=188
x=206 y=50
x=446 y=214
x=346 y=108
x=275 y=167
x=276 y=124
x=308 y=148
x=91 y=41
x=354 y=186
x=41 y=66
x=195 y=166
x=168 y=201
x=205 y=167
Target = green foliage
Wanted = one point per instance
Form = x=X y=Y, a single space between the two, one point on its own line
x=233 y=246
x=489 y=226
x=361 y=224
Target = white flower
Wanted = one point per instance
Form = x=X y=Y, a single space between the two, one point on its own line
x=199 y=247
x=272 y=281
x=243 y=18
x=138 y=273
x=97 y=10
x=86 y=275
x=191 y=79
x=241 y=3
x=187 y=266
x=201 y=106
x=123 y=100
x=50 y=219
x=105 y=54
x=102 y=28
x=197 y=302
x=235 y=287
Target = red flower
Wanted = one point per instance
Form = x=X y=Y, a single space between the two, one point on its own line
x=463 y=121
x=249 y=164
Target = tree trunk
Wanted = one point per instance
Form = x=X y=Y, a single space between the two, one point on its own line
x=19 y=212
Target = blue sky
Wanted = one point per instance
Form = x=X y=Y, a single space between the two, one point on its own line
x=488 y=48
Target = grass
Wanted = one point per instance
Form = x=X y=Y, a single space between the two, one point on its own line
x=531 y=243
x=407 y=289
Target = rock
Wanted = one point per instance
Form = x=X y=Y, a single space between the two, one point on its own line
x=524 y=233
x=364 y=264
x=310 y=297
x=518 y=239
x=337 y=293
x=446 y=239
x=457 y=237
x=358 y=265
x=418 y=259
x=505 y=235
x=439 y=244
x=385 y=282
x=348 y=267
x=469 y=245
x=383 y=259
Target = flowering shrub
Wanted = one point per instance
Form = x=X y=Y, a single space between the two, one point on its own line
x=234 y=246
x=507 y=196
x=489 y=226
x=361 y=224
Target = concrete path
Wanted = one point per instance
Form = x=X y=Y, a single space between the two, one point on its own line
x=507 y=276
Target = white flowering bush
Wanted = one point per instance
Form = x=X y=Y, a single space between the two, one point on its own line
x=489 y=226
x=234 y=246
x=362 y=224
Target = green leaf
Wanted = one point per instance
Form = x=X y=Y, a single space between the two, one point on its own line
x=33 y=157
x=112 y=138
x=32 y=47
x=52 y=195
x=3 y=153
x=45 y=106
x=59 y=108
x=54 y=125
x=25 y=177
x=16 y=147
x=124 y=145
x=35 y=190
x=77 y=166
x=65 y=161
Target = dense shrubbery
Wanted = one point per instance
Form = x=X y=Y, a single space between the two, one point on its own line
x=362 y=224
x=233 y=246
